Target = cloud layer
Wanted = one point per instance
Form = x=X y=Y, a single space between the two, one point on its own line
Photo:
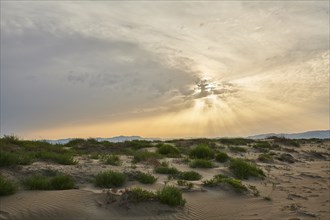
x=167 y=69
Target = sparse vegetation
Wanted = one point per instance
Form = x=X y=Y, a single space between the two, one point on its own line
x=145 y=178
x=266 y=158
x=166 y=170
x=221 y=179
x=201 y=163
x=39 y=182
x=285 y=141
x=185 y=183
x=237 y=149
x=111 y=159
x=168 y=150
x=235 y=141
x=7 y=187
x=108 y=179
x=243 y=169
x=142 y=155
x=189 y=175
x=171 y=196
x=140 y=195
x=201 y=151
x=222 y=157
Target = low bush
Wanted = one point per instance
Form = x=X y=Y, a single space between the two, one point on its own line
x=243 y=169
x=189 y=175
x=140 y=156
x=108 y=179
x=111 y=159
x=201 y=163
x=201 y=151
x=185 y=183
x=238 y=149
x=266 y=158
x=7 y=187
x=145 y=178
x=39 y=182
x=166 y=170
x=235 y=141
x=217 y=180
x=168 y=150
x=60 y=158
x=222 y=157
x=171 y=196
x=12 y=159
x=140 y=195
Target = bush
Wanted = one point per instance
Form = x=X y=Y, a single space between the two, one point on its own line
x=140 y=195
x=235 y=141
x=243 y=169
x=62 y=183
x=108 y=179
x=168 y=150
x=166 y=170
x=266 y=158
x=7 y=187
x=238 y=149
x=189 y=175
x=185 y=183
x=201 y=163
x=202 y=151
x=171 y=196
x=222 y=157
x=262 y=146
x=12 y=159
x=145 y=178
x=140 y=156
x=236 y=184
x=39 y=182
x=60 y=158
x=111 y=159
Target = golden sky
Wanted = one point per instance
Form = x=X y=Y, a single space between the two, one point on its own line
x=163 y=69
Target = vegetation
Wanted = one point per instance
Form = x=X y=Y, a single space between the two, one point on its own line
x=171 y=196
x=140 y=156
x=222 y=157
x=12 y=159
x=238 y=149
x=108 y=179
x=168 y=150
x=185 y=183
x=201 y=151
x=235 y=141
x=111 y=159
x=140 y=195
x=220 y=179
x=7 y=187
x=145 y=178
x=39 y=182
x=243 y=169
x=201 y=163
x=166 y=170
x=266 y=158
x=189 y=175
x=285 y=141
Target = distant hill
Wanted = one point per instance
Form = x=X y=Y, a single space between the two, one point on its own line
x=112 y=139
x=305 y=135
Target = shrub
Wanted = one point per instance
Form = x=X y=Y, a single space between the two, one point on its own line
x=222 y=157
x=7 y=187
x=243 y=169
x=266 y=158
x=62 y=183
x=145 y=178
x=39 y=182
x=189 y=175
x=64 y=159
x=111 y=159
x=166 y=170
x=286 y=141
x=262 y=146
x=238 y=149
x=185 y=183
x=12 y=159
x=109 y=179
x=219 y=179
x=144 y=155
x=201 y=163
x=140 y=195
x=202 y=151
x=235 y=141
x=168 y=150
x=171 y=196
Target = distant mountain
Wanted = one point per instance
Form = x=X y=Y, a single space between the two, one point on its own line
x=112 y=139
x=305 y=135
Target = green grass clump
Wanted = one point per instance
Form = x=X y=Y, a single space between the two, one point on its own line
x=262 y=146
x=39 y=182
x=219 y=179
x=266 y=158
x=145 y=178
x=7 y=187
x=111 y=159
x=238 y=149
x=201 y=151
x=171 y=196
x=140 y=156
x=189 y=175
x=12 y=159
x=60 y=158
x=185 y=183
x=243 y=169
x=222 y=157
x=108 y=179
x=166 y=170
x=140 y=195
x=168 y=150
x=201 y=163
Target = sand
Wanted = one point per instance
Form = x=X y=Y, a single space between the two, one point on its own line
x=297 y=190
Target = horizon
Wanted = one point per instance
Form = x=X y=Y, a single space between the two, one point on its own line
x=163 y=69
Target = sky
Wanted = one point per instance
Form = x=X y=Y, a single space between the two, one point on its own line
x=164 y=69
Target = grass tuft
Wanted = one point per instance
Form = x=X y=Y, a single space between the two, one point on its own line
x=201 y=151
x=201 y=163
x=189 y=175
x=243 y=169
x=171 y=196
x=108 y=179
x=222 y=157
x=145 y=178
x=7 y=187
